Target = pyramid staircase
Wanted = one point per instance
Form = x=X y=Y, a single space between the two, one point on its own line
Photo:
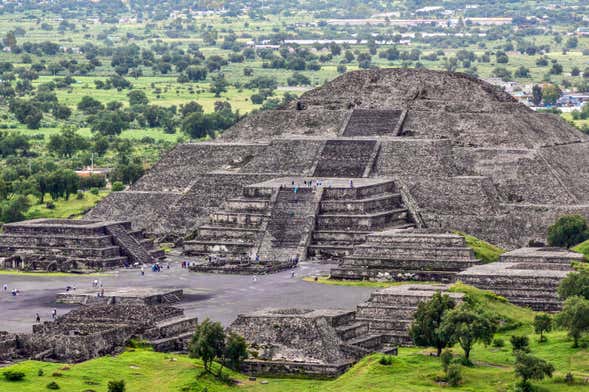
x=346 y=218
x=370 y=122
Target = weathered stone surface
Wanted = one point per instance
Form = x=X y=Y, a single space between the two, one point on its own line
x=74 y=245
x=467 y=156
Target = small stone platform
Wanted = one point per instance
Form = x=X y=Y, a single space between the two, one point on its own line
x=69 y=245
x=526 y=277
x=407 y=255
x=321 y=343
x=128 y=295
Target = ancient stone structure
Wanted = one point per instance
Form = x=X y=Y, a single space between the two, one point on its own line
x=302 y=341
x=327 y=342
x=526 y=277
x=97 y=330
x=121 y=295
x=450 y=152
x=398 y=255
x=74 y=245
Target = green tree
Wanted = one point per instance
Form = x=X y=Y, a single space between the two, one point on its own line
x=520 y=343
x=574 y=317
x=116 y=386
x=574 y=284
x=466 y=326
x=218 y=84
x=235 y=351
x=13 y=210
x=542 y=324
x=67 y=142
x=207 y=343
x=110 y=123
x=137 y=97
x=529 y=367
x=90 y=105
x=551 y=93
x=568 y=231
x=425 y=329
x=536 y=95
x=197 y=125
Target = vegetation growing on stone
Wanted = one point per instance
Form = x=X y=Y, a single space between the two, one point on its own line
x=483 y=250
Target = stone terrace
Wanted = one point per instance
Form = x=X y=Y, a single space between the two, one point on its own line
x=397 y=255
x=526 y=277
x=74 y=245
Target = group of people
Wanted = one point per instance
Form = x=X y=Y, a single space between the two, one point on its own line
x=14 y=292
x=53 y=316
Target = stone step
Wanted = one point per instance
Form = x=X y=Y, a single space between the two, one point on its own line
x=339 y=236
x=408 y=263
x=417 y=240
x=385 y=325
x=385 y=311
x=245 y=204
x=357 y=273
x=110 y=251
x=224 y=232
x=157 y=253
x=351 y=331
x=374 y=203
x=198 y=247
x=363 y=192
x=330 y=251
x=172 y=343
x=368 y=342
x=362 y=222
x=54 y=240
x=237 y=218
x=373 y=250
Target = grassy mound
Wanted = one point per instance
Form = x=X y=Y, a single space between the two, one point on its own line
x=483 y=250
x=583 y=248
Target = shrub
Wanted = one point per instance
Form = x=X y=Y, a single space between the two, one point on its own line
x=53 y=385
x=446 y=358
x=520 y=343
x=116 y=386
x=80 y=195
x=386 y=360
x=454 y=375
x=13 y=375
x=50 y=205
x=40 y=372
x=568 y=230
x=117 y=186
x=569 y=378
x=57 y=374
x=94 y=191
x=498 y=342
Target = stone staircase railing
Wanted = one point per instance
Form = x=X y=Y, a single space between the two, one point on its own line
x=130 y=247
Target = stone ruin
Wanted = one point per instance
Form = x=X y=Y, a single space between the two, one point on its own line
x=456 y=153
x=74 y=245
x=325 y=343
x=526 y=277
x=92 y=331
x=121 y=295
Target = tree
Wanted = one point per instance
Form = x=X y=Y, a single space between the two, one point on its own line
x=195 y=73
x=574 y=284
x=67 y=142
x=90 y=105
x=551 y=93
x=235 y=351
x=522 y=72
x=520 y=343
x=218 y=84
x=542 y=324
x=197 y=125
x=13 y=210
x=62 y=112
x=536 y=95
x=568 y=230
x=466 y=326
x=574 y=317
x=207 y=343
x=425 y=329
x=190 y=107
x=110 y=123
x=529 y=367
x=137 y=97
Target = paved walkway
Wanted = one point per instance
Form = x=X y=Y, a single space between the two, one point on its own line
x=219 y=297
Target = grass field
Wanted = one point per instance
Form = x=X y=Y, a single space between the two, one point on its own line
x=72 y=208
x=483 y=250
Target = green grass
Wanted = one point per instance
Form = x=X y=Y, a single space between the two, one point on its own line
x=356 y=283
x=583 y=248
x=483 y=250
x=71 y=208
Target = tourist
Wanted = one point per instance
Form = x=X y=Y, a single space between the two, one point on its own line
x=292 y=275
x=14 y=292
x=5 y=287
x=37 y=318
x=351 y=184
x=142 y=271
x=102 y=292
x=54 y=313
x=95 y=283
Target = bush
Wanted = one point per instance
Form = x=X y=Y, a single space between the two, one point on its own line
x=118 y=186
x=520 y=343
x=116 y=386
x=569 y=378
x=94 y=191
x=53 y=385
x=498 y=342
x=13 y=375
x=50 y=205
x=80 y=195
x=386 y=360
x=454 y=375
x=568 y=230
x=57 y=374
x=446 y=358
